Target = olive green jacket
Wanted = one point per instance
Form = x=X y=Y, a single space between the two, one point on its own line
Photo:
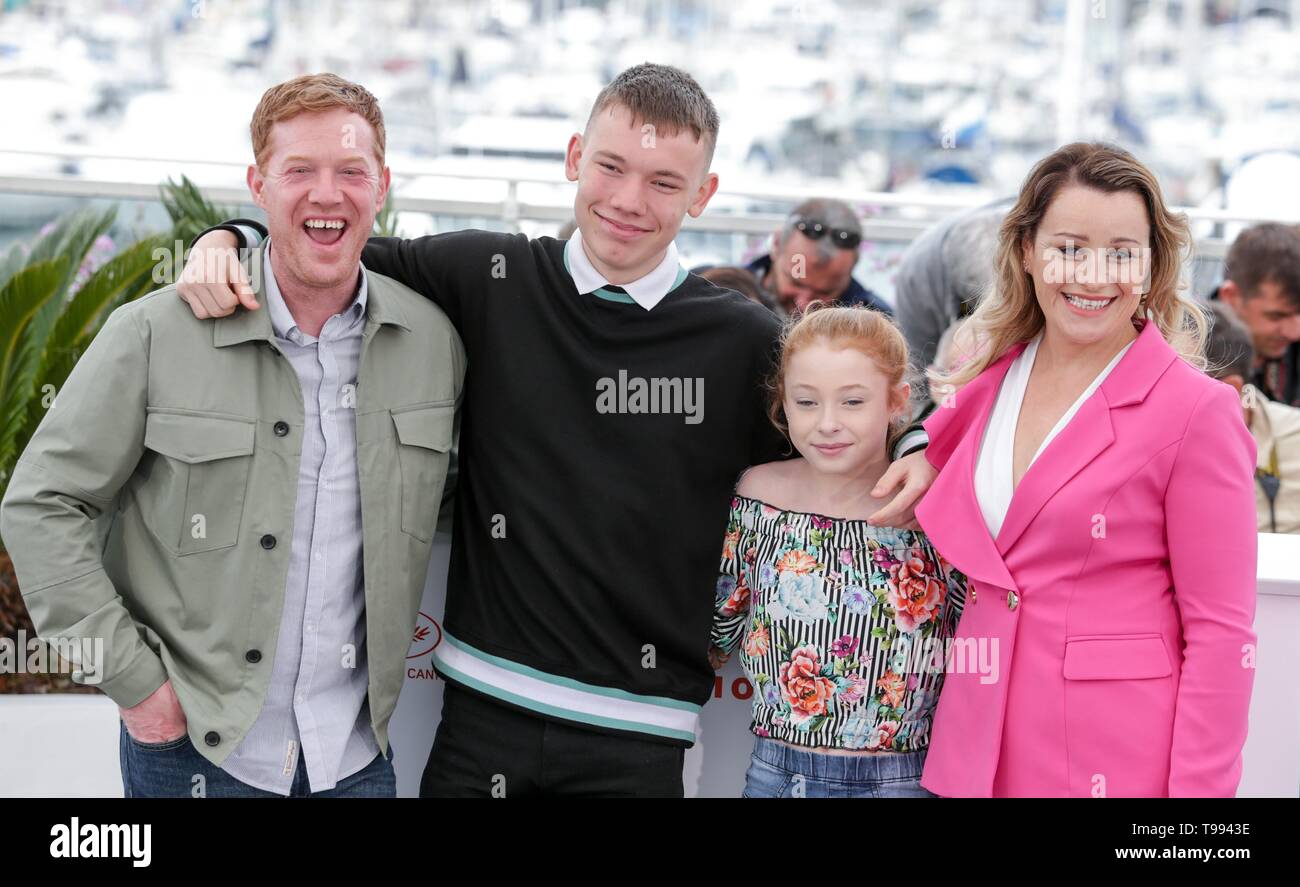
x=154 y=506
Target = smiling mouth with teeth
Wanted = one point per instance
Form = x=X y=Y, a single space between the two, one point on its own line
x=1087 y=304
x=324 y=231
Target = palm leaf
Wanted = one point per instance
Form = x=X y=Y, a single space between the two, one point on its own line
x=72 y=237
x=14 y=258
x=189 y=210
x=125 y=277
x=70 y=240
x=21 y=299
x=125 y=273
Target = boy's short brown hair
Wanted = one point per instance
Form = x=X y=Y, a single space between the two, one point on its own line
x=313 y=93
x=665 y=97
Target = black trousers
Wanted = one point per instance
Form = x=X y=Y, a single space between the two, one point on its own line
x=485 y=749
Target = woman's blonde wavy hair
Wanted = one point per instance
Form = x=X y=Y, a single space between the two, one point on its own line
x=1008 y=312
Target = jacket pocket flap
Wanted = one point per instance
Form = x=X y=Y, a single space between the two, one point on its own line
x=426 y=426
x=1116 y=658
x=191 y=438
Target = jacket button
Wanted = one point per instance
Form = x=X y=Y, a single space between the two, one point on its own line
x=253 y=656
x=974 y=595
x=268 y=542
x=281 y=429
x=1012 y=600
x=213 y=738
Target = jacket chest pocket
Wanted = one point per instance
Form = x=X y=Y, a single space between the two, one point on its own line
x=1131 y=657
x=424 y=438
x=192 y=495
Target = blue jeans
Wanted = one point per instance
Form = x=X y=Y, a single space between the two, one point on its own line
x=779 y=771
x=167 y=770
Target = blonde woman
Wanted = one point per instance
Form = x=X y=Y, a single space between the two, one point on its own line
x=1095 y=485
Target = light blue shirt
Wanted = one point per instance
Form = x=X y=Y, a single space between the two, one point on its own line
x=316 y=704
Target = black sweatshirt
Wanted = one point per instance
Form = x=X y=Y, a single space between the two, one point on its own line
x=599 y=448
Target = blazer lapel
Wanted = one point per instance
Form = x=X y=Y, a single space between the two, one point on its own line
x=1087 y=434
x=950 y=513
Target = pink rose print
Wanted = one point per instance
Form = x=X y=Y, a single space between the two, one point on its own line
x=915 y=592
x=803 y=687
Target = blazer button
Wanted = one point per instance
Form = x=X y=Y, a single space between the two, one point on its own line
x=213 y=738
x=268 y=542
x=253 y=656
x=281 y=429
x=974 y=595
x=1012 y=600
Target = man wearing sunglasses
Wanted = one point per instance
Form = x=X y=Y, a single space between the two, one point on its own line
x=812 y=258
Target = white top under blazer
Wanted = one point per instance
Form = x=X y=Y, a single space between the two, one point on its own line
x=993 y=469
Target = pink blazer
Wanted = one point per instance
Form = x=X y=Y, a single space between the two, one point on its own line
x=1106 y=645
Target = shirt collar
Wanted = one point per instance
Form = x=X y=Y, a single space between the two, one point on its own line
x=282 y=322
x=647 y=292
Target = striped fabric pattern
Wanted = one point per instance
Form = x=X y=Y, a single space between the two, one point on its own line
x=843 y=627
x=562 y=697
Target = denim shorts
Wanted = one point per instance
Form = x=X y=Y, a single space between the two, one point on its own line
x=779 y=771
x=172 y=770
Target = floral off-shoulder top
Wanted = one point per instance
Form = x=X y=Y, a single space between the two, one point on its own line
x=843 y=627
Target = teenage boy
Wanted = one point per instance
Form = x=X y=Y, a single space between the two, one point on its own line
x=612 y=402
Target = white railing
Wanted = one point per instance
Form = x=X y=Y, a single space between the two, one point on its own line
x=528 y=195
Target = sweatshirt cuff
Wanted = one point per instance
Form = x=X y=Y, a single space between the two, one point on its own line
x=249 y=232
x=912 y=442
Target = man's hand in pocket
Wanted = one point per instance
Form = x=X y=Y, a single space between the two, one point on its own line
x=159 y=718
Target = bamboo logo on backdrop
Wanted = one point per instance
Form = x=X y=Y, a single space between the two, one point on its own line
x=635 y=394
x=424 y=640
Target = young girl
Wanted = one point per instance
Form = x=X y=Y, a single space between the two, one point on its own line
x=842 y=626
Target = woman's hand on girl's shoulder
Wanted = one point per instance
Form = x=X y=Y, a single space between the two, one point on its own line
x=915 y=474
